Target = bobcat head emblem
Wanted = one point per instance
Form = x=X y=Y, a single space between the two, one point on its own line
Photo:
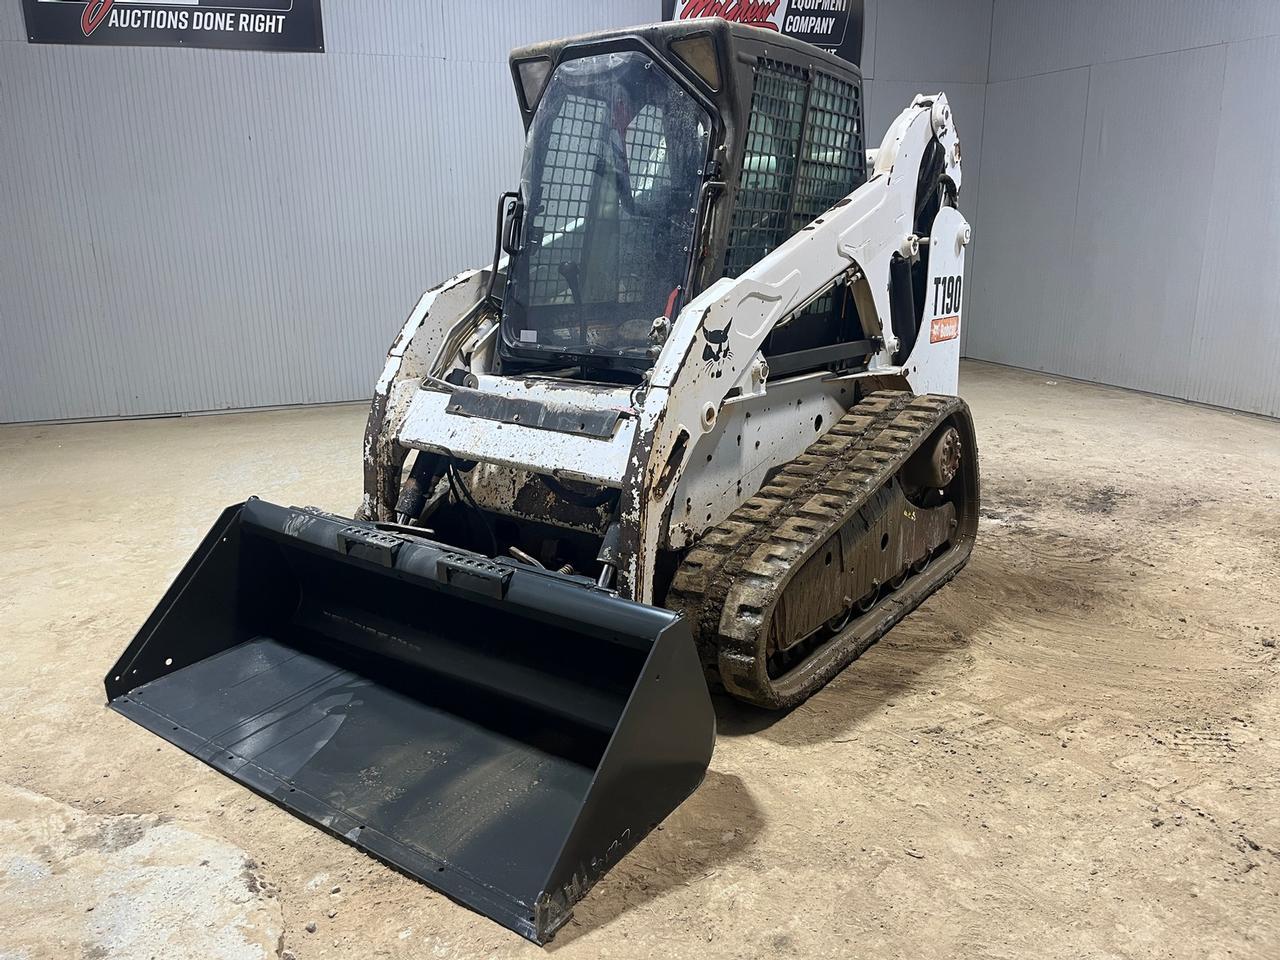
x=715 y=350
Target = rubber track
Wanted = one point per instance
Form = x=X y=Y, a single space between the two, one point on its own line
x=728 y=583
x=703 y=578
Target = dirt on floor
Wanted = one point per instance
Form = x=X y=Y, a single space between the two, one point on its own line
x=1071 y=751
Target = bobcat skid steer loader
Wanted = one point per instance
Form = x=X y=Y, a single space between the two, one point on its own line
x=695 y=424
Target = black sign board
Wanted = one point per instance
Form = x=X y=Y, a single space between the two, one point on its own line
x=833 y=25
x=235 y=24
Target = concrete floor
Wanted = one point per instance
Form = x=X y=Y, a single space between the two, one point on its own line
x=1072 y=751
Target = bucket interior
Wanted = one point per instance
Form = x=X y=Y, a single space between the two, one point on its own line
x=451 y=736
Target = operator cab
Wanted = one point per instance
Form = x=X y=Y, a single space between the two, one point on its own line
x=658 y=160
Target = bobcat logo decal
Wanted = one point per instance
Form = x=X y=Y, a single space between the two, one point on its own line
x=715 y=350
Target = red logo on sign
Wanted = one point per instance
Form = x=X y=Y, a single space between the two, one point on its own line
x=944 y=328
x=95 y=11
x=758 y=13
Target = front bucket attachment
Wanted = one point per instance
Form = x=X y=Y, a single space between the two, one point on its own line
x=503 y=734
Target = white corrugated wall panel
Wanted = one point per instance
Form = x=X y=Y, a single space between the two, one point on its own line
x=1140 y=224
x=12 y=28
x=1159 y=275
x=1035 y=36
x=190 y=229
x=870 y=24
x=1022 y=295
x=1235 y=348
x=928 y=41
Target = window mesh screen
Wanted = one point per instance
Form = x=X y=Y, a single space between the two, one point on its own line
x=647 y=152
x=833 y=162
x=572 y=149
x=803 y=153
x=760 y=218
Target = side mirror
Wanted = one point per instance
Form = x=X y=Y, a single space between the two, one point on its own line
x=512 y=224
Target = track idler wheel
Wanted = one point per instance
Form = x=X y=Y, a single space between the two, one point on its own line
x=936 y=464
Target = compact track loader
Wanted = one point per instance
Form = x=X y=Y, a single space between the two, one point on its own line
x=694 y=425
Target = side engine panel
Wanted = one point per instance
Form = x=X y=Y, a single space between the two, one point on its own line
x=753 y=435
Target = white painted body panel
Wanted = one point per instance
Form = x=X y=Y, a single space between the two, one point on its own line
x=753 y=434
x=430 y=426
